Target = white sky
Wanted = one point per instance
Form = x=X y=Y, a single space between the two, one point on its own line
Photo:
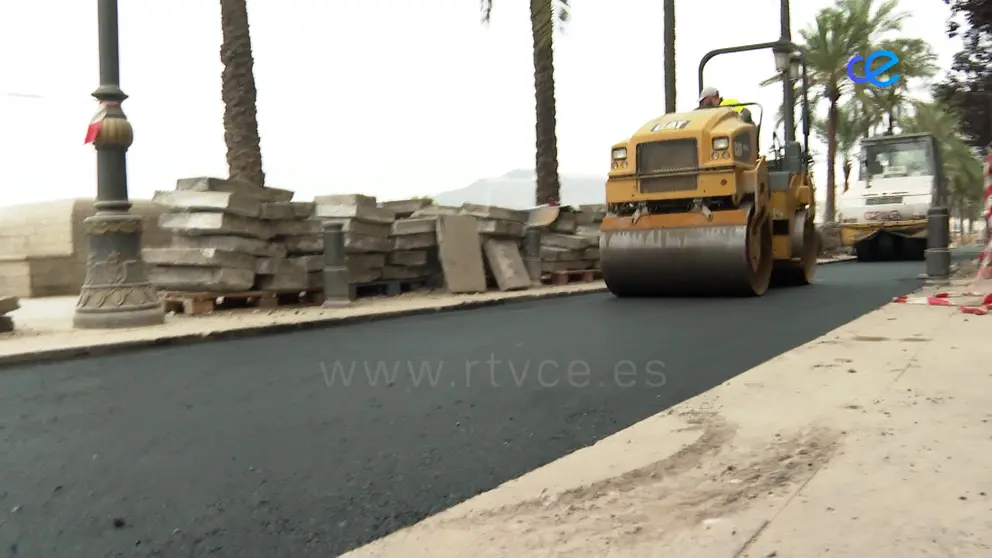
x=392 y=98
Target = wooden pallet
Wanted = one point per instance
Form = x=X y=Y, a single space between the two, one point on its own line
x=386 y=288
x=194 y=304
x=571 y=276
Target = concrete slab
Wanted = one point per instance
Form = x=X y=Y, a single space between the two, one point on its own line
x=553 y=254
x=506 y=264
x=360 y=243
x=226 y=202
x=370 y=214
x=416 y=225
x=201 y=279
x=302 y=227
x=408 y=257
x=366 y=261
x=358 y=200
x=303 y=245
x=196 y=224
x=437 y=211
x=6 y=324
x=287 y=211
x=208 y=184
x=402 y=273
x=567 y=241
x=414 y=242
x=202 y=257
x=363 y=228
x=494 y=212
x=405 y=208
x=9 y=304
x=460 y=253
x=497 y=227
x=253 y=246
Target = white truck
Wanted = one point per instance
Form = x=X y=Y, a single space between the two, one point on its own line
x=883 y=216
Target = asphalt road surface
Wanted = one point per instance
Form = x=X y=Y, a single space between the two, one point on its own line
x=258 y=448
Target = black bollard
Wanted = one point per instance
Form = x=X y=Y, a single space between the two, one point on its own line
x=938 y=254
x=337 y=291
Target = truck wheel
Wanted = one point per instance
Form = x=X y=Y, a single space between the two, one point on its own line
x=863 y=250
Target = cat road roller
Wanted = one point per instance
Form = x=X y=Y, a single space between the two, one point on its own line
x=693 y=209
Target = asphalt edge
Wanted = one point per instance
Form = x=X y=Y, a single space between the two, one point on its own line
x=66 y=353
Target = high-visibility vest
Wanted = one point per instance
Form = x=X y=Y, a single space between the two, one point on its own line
x=732 y=102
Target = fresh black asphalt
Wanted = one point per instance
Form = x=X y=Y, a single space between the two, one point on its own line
x=256 y=448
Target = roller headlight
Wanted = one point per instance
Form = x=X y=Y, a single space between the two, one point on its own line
x=619 y=153
x=721 y=144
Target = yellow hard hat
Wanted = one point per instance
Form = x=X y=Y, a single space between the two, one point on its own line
x=732 y=102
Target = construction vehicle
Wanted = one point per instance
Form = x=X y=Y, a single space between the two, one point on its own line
x=883 y=215
x=694 y=209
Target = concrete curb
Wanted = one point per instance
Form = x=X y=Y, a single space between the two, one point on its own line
x=66 y=353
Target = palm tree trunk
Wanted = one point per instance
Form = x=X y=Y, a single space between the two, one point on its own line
x=244 y=152
x=542 y=29
x=847 y=172
x=829 y=211
x=669 y=56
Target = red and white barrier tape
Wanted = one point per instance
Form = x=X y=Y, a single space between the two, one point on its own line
x=944 y=299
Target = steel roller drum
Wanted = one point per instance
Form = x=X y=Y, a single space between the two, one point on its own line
x=715 y=261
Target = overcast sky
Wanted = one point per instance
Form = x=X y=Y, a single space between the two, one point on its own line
x=392 y=98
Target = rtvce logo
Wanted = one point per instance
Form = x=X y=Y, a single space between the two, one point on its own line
x=872 y=74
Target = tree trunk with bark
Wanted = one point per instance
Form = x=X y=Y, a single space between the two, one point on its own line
x=829 y=212
x=542 y=27
x=244 y=152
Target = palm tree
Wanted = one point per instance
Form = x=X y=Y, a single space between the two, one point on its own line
x=244 y=152
x=543 y=14
x=851 y=26
x=669 y=56
x=851 y=125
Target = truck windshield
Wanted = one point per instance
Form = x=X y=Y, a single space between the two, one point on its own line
x=897 y=158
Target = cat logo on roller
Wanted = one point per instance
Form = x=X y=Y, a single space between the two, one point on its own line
x=695 y=208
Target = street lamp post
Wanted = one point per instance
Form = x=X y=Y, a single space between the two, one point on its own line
x=116 y=292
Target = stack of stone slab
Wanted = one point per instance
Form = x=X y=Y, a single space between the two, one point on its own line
x=571 y=242
x=588 y=220
x=224 y=231
x=7 y=305
x=296 y=237
x=501 y=232
x=366 y=233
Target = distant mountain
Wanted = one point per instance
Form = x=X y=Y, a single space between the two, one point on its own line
x=515 y=190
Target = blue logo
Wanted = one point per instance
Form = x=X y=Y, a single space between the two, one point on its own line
x=872 y=74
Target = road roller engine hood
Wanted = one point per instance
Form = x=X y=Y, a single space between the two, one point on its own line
x=672 y=155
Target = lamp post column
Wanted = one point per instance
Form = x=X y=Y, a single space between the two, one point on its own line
x=116 y=292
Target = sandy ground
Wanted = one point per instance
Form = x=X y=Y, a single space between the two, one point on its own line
x=873 y=440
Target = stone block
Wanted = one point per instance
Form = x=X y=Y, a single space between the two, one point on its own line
x=436 y=211
x=460 y=254
x=286 y=211
x=493 y=212
x=207 y=184
x=414 y=241
x=303 y=227
x=550 y=267
x=302 y=245
x=289 y=278
x=411 y=258
x=8 y=304
x=202 y=224
x=587 y=230
x=594 y=208
x=498 y=227
x=365 y=213
x=268 y=266
x=346 y=199
x=362 y=276
x=225 y=202
x=201 y=279
x=591 y=253
x=365 y=261
x=360 y=243
x=198 y=257
x=506 y=264
x=315 y=280
x=240 y=244
x=380 y=230
x=419 y=225
x=565 y=223
x=6 y=324
x=404 y=273
x=567 y=241
x=311 y=263
x=553 y=254
x=405 y=208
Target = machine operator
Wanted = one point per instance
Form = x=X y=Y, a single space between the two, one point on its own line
x=710 y=97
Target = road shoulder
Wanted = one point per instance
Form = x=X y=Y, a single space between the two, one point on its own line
x=869 y=441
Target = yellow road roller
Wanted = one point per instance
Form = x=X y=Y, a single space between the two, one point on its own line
x=694 y=209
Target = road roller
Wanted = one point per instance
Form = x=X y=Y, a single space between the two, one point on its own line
x=695 y=210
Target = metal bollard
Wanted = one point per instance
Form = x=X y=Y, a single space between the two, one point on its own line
x=532 y=254
x=337 y=291
x=938 y=254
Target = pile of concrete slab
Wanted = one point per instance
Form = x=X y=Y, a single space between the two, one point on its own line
x=366 y=233
x=571 y=242
x=229 y=236
x=7 y=305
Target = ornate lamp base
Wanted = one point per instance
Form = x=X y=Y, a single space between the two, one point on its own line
x=116 y=292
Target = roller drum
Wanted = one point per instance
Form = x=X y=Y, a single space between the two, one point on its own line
x=713 y=261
